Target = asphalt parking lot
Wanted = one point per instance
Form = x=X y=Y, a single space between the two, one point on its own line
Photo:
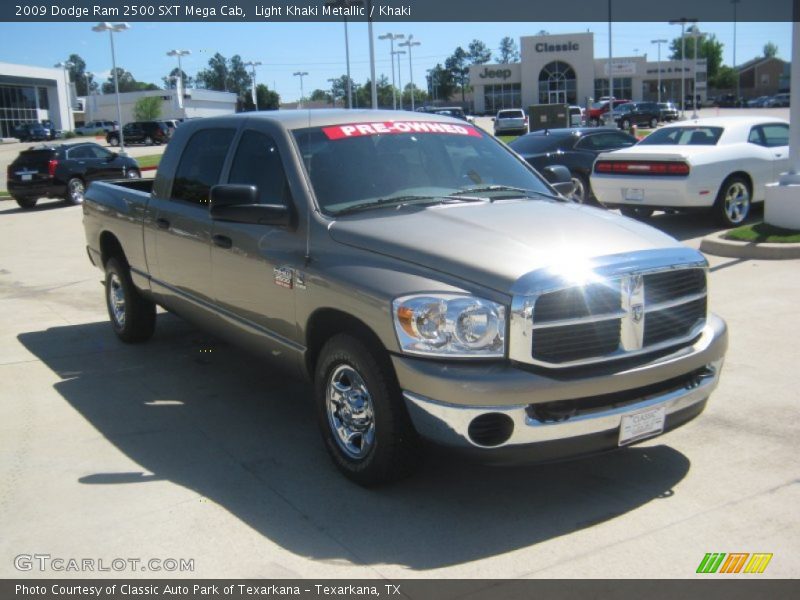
x=187 y=448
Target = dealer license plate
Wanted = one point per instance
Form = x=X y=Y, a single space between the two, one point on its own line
x=641 y=425
x=635 y=194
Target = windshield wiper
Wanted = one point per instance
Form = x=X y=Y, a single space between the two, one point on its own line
x=404 y=201
x=504 y=188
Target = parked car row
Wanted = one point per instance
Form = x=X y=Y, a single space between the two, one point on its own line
x=142 y=132
x=35 y=131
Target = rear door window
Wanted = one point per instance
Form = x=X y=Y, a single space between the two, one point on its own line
x=258 y=162
x=201 y=164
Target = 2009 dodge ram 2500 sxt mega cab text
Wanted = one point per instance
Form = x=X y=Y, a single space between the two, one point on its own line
x=423 y=276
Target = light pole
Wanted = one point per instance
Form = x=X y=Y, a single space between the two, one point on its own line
x=253 y=65
x=695 y=34
x=374 y=84
x=410 y=44
x=345 y=4
x=738 y=90
x=111 y=29
x=610 y=65
x=392 y=37
x=432 y=84
x=399 y=79
x=333 y=93
x=88 y=76
x=179 y=54
x=659 y=42
x=300 y=74
x=66 y=65
x=682 y=22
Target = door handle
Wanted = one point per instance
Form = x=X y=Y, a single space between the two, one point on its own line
x=778 y=155
x=223 y=241
x=162 y=223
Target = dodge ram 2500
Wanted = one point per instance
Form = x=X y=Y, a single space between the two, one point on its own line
x=428 y=281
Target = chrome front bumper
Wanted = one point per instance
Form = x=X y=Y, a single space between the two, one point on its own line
x=449 y=425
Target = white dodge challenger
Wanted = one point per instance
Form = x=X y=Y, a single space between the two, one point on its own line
x=721 y=163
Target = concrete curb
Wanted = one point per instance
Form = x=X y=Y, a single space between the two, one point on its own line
x=716 y=245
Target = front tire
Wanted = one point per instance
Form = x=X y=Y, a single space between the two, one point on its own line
x=583 y=191
x=114 y=142
x=653 y=123
x=133 y=317
x=626 y=125
x=733 y=202
x=133 y=174
x=361 y=414
x=148 y=141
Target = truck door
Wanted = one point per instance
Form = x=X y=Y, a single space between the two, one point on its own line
x=183 y=225
x=254 y=267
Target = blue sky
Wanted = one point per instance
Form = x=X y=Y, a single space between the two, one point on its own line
x=318 y=48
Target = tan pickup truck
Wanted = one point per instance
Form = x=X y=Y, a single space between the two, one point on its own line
x=428 y=281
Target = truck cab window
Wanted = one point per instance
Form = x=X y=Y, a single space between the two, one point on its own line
x=257 y=162
x=201 y=165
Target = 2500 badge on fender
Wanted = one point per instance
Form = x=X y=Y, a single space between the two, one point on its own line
x=423 y=276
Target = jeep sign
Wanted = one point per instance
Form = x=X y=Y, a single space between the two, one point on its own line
x=495 y=73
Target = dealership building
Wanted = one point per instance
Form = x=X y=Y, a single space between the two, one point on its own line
x=32 y=94
x=192 y=103
x=562 y=69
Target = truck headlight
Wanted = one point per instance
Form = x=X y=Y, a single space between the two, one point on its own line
x=450 y=325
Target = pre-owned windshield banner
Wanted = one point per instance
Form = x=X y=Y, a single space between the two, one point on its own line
x=350 y=130
x=541 y=11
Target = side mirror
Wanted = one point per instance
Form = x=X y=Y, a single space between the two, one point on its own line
x=493 y=119
x=239 y=204
x=560 y=178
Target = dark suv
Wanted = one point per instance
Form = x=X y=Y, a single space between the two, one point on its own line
x=141 y=132
x=64 y=171
x=31 y=132
x=635 y=113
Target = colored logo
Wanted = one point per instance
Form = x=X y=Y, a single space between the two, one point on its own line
x=734 y=562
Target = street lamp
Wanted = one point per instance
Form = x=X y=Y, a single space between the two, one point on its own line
x=738 y=90
x=431 y=84
x=399 y=79
x=300 y=74
x=659 y=42
x=179 y=54
x=410 y=44
x=392 y=37
x=373 y=83
x=66 y=65
x=253 y=65
x=345 y=4
x=682 y=22
x=333 y=93
x=112 y=29
x=695 y=34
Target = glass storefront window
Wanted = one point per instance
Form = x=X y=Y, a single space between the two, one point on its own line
x=17 y=105
x=500 y=96
x=623 y=88
x=557 y=84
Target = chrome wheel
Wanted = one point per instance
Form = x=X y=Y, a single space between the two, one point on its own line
x=579 y=193
x=116 y=300
x=350 y=412
x=133 y=174
x=737 y=202
x=75 y=190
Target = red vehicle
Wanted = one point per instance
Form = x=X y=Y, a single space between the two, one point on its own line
x=594 y=116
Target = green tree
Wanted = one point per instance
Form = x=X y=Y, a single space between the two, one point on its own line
x=707 y=46
x=215 y=77
x=147 y=108
x=267 y=99
x=77 y=74
x=478 y=53
x=126 y=82
x=725 y=78
x=441 y=83
x=509 y=52
x=458 y=65
x=770 y=50
x=320 y=96
x=170 y=80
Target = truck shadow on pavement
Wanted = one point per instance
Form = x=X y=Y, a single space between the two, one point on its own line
x=193 y=411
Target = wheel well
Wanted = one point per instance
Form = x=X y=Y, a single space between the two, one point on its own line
x=327 y=322
x=747 y=179
x=110 y=247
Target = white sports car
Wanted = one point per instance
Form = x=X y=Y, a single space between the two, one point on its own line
x=720 y=163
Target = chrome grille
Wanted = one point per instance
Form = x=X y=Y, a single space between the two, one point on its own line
x=624 y=315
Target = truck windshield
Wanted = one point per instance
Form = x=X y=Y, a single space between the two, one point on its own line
x=368 y=164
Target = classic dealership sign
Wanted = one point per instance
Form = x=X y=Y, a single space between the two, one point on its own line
x=565 y=47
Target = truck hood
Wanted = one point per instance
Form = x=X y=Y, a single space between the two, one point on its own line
x=493 y=244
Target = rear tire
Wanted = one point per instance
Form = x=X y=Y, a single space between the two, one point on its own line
x=114 y=142
x=148 y=140
x=733 y=203
x=361 y=414
x=637 y=212
x=132 y=316
x=75 y=191
x=653 y=123
x=583 y=190
x=133 y=174
x=626 y=125
x=26 y=203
